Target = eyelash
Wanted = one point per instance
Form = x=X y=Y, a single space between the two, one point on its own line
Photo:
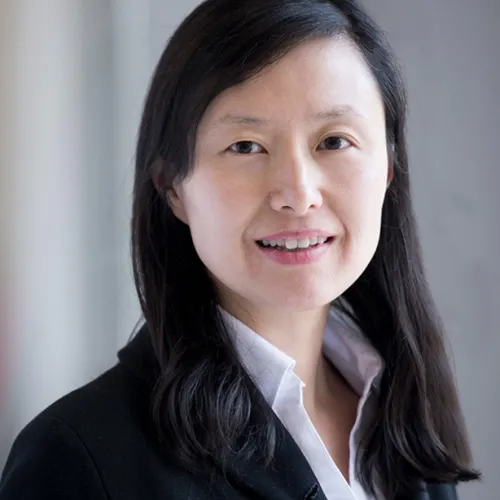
x=253 y=142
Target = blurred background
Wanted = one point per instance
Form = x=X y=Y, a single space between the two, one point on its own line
x=73 y=75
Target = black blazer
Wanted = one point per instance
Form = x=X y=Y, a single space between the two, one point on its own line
x=98 y=443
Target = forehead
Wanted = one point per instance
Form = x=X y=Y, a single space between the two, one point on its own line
x=314 y=77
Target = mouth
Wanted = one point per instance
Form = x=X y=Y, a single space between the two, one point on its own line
x=293 y=245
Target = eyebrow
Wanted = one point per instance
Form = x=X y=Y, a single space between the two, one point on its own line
x=337 y=112
x=231 y=119
x=323 y=116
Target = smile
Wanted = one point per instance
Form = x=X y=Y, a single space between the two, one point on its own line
x=294 y=245
x=293 y=252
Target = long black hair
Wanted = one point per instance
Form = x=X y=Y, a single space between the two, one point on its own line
x=204 y=400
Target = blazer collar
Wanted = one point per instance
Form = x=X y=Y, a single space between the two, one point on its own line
x=138 y=357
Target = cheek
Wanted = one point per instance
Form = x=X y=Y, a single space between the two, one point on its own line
x=218 y=210
x=360 y=208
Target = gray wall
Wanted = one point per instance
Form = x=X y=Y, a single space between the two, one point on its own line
x=92 y=99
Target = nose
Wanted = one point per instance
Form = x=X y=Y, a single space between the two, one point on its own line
x=296 y=185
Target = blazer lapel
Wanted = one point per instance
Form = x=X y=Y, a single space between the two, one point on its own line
x=289 y=477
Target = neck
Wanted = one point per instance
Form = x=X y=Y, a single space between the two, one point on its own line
x=300 y=336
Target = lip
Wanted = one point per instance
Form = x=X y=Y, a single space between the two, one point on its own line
x=297 y=235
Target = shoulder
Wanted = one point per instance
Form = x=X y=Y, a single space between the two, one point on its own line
x=96 y=442
x=113 y=402
x=52 y=452
x=47 y=459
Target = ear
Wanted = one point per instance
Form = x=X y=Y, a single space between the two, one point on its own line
x=171 y=195
x=174 y=200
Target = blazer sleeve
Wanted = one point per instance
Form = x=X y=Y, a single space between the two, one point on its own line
x=49 y=461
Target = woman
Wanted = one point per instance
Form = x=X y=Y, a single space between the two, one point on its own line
x=291 y=348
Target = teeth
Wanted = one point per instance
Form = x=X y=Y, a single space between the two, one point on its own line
x=292 y=244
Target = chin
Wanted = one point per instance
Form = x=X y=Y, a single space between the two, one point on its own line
x=301 y=300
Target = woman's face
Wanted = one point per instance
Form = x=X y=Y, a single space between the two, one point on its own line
x=299 y=150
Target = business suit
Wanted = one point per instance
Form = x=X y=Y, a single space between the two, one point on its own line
x=98 y=443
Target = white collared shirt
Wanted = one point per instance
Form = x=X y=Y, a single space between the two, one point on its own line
x=273 y=372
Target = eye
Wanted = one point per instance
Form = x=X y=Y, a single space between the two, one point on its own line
x=245 y=147
x=334 y=143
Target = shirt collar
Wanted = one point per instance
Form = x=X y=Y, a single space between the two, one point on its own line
x=265 y=363
x=344 y=345
x=348 y=348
